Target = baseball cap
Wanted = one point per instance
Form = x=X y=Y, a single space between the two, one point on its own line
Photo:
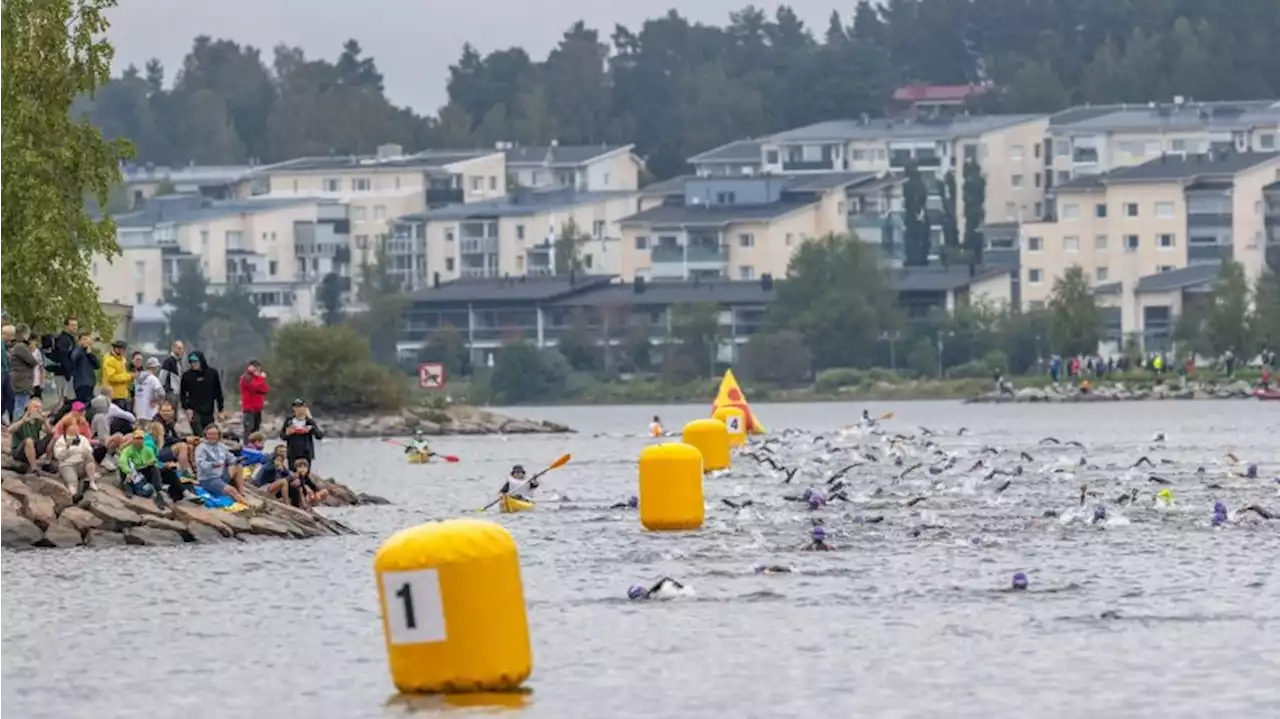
x=152 y=362
x=77 y=406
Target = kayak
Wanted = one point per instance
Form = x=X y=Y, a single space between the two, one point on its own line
x=418 y=458
x=1267 y=394
x=509 y=505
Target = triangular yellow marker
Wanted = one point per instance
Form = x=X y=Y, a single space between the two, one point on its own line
x=730 y=395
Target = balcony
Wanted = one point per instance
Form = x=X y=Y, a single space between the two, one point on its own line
x=1197 y=254
x=478 y=245
x=440 y=197
x=695 y=255
x=807 y=165
x=1209 y=219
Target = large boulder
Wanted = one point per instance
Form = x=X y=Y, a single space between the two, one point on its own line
x=10 y=504
x=82 y=519
x=200 y=532
x=39 y=509
x=53 y=489
x=269 y=526
x=99 y=538
x=234 y=520
x=115 y=516
x=192 y=514
x=164 y=523
x=152 y=537
x=18 y=532
x=61 y=534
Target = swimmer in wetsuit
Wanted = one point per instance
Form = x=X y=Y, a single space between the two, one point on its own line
x=665 y=588
x=737 y=505
x=632 y=502
x=515 y=482
x=1019 y=582
x=818 y=543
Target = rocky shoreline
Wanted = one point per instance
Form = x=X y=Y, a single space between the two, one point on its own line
x=453 y=420
x=1118 y=392
x=38 y=512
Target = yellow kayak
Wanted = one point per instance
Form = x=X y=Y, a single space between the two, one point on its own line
x=510 y=504
x=417 y=458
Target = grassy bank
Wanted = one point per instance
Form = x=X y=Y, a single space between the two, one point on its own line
x=838 y=385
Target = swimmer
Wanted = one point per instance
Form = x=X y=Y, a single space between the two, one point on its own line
x=632 y=503
x=819 y=541
x=666 y=588
x=1219 y=513
x=873 y=519
x=771 y=569
x=1099 y=514
x=655 y=427
x=737 y=505
x=1019 y=582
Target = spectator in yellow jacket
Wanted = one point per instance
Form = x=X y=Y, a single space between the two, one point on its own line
x=116 y=375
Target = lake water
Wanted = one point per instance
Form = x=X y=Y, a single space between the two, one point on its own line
x=894 y=625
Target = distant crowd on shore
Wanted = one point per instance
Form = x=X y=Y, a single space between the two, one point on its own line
x=1083 y=370
x=152 y=423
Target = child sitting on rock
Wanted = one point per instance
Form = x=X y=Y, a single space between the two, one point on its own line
x=303 y=491
x=76 y=466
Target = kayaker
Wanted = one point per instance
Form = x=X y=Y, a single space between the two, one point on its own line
x=867 y=419
x=666 y=588
x=516 y=482
x=419 y=445
x=818 y=535
x=655 y=427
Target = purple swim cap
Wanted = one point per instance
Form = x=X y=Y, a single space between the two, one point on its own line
x=1019 y=580
x=807 y=493
x=636 y=592
x=1219 y=507
x=633 y=502
x=1099 y=512
x=818 y=533
x=1251 y=471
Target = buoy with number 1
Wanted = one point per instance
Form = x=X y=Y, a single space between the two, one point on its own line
x=453 y=612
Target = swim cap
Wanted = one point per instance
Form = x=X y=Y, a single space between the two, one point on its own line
x=1219 y=507
x=1099 y=512
x=636 y=592
x=807 y=493
x=818 y=533
x=816 y=500
x=1019 y=580
x=1251 y=471
x=633 y=501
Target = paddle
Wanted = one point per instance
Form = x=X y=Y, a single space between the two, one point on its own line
x=886 y=415
x=445 y=457
x=554 y=465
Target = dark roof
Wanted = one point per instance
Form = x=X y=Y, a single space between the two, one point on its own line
x=1073 y=115
x=423 y=160
x=563 y=155
x=820 y=181
x=1110 y=288
x=1082 y=183
x=673 y=186
x=1190 y=167
x=875 y=128
x=739 y=151
x=921 y=92
x=1188 y=116
x=527 y=201
x=1273 y=187
x=714 y=215
x=509 y=289
x=1180 y=279
x=181 y=209
x=730 y=292
x=940 y=279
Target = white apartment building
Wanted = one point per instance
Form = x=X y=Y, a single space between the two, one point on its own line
x=216 y=182
x=260 y=245
x=585 y=168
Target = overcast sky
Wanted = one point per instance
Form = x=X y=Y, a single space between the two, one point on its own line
x=413 y=41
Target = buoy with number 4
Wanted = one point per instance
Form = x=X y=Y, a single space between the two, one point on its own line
x=735 y=420
x=453 y=612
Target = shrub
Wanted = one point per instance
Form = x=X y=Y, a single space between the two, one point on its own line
x=836 y=378
x=779 y=357
x=330 y=368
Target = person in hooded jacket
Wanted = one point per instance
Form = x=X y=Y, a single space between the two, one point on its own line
x=253 y=395
x=300 y=433
x=84 y=369
x=201 y=393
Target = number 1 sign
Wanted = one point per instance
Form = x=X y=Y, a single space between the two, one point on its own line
x=412 y=606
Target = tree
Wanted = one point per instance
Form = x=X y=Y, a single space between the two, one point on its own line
x=577 y=344
x=330 y=298
x=381 y=292
x=54 y=50
x=230 y=345
x=778 y=357
x=915 y=197
x=189 y=298
x=331 y=369
x=975 y=212
x=950 y=221
x=523 y=374
x=567 y=248
x=1075 y=323
x=1226 y=314
x=165 y=187
x=1266 y=316
x=1037 y=88
x=447 y=346
x=695 y=330
x=835 y=296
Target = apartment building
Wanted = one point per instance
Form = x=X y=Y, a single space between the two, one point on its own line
x=509 y=236
x=1092 y=140
x=1148 y=234
x=216 y=182
x=585 y=168
x=1009 y=149
x=252 y=244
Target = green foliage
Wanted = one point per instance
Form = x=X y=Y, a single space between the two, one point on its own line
x=448 y=347
x=523 y=374
x=1266 y=317
x=950 y=222
x=567 y=248
x=776 y=357
x=975 y=213
x=229 y=345
x=380 y=291
x=922 y=360
x=1226 y=314
x=53 y=51
x=578 y=345
x=329 y=297
x=695 y=327
x=165 y=187
x=195 y=309
x=835 y=297
x=1075 y=325
x=915 y=198
x=330 y=367
x=637 y=347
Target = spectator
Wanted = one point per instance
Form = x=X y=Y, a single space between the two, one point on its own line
x=116 y=375
x=63 y=345
x=6 y=339
x=201 y=393
x=140 y=463
x=253 y=396
x=175 y=447
x=30 y=435
x=23 y=365
x=171 y=372
x=300 y=433
x=147 y=392
x=84 y=369
x=215 y=466
x=76 y=465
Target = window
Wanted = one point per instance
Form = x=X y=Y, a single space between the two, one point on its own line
x=789 y=238
x=139 y=271
x=1063 y=148
x=726 y=198
x=1011 y=211
x=1039 y=210
x=448 y=235
x=139 y=298
x=1015 y=153
x=1101 y=273
x=1035 y=244
x=1130 y=209
x=587 y=261
x=746 y=240
x=95 y=269
x=493 y=182
x=1164 y=210
x=362 y=242
x=597 y=229
x=1071 y=211
x=234 y=240
x=477 y=183
x=1035 y=150
x=1071 y=243
x=330 y=184
x=1035 y=276
x=519 y=263
x=1130 y=243
x=1064 y=176
x=1178 y=145
x=519 y=232
x=397 y=183
x=1016 y=180
x=448 y=264
x=361 y=184
x=204 y=241
x=358 y=213
x=746 y=272
x=1165 y=268
x=606 y=179
x=771 y=157
x=1165 y=241
x=1036 y=175
x=1267 y=142
x=1100 y=210
x=642 y=243
x=859 y=156
x=379 y=212
x=295 y=185
x=1100 y=242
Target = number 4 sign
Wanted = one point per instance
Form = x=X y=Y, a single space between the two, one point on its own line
x=734 y=423
x=413 y=608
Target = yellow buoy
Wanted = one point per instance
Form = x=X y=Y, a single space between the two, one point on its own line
x=671 y=487
x=711 y=438
x=735 y=420
x=453 y=612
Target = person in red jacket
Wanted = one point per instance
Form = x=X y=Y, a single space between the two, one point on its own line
x=253 y=395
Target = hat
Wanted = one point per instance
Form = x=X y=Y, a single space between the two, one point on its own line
x=119 y=343
x=193 y=357
x=518 y=468
x=77 y=406
x=299 y=402
x=139 y=434
x=152 y=362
